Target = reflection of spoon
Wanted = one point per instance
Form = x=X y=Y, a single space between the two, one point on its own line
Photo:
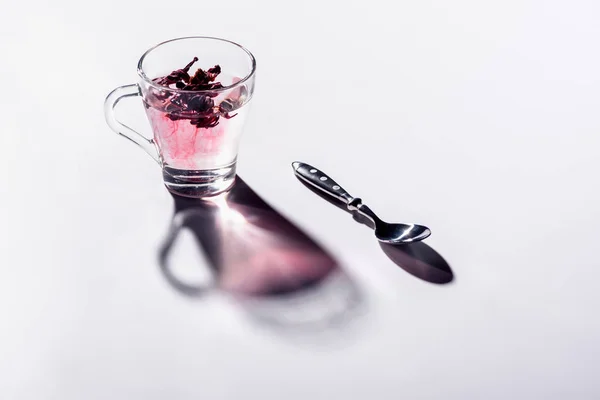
x=385 y=232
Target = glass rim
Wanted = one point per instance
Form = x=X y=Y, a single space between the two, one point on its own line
x=149 y=81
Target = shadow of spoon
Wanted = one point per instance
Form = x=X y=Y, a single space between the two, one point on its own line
x=420 y=260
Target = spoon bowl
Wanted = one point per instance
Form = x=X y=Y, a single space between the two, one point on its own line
x=400 y=233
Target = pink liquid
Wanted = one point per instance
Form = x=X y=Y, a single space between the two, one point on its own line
x=184 y=146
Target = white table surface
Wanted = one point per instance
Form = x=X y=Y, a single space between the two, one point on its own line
x=479 y=119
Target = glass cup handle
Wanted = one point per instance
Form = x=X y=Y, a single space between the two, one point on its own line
x=109 y=113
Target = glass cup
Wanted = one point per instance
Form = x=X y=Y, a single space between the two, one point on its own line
x=196 y=132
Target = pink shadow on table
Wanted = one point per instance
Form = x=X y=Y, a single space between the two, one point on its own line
x=277 y=272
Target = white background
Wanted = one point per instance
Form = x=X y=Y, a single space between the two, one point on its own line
x=479 y=119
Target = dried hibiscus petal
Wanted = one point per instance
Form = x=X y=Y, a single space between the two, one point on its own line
x=198 y=108
x=201 y=104
x=206 y=122
x=177 y=75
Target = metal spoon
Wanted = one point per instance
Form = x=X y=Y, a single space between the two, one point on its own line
x=385 y=232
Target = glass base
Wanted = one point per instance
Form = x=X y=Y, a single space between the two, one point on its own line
x=199 y=183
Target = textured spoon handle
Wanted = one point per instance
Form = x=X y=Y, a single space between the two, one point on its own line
x=318 y=179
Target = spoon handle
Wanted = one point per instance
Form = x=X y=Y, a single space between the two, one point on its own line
x=318 y=179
